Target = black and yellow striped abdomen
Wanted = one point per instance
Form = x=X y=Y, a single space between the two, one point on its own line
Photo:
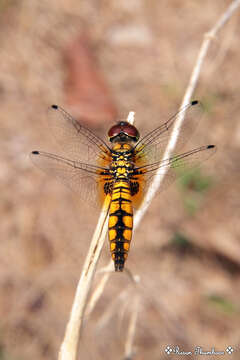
x=120 y=222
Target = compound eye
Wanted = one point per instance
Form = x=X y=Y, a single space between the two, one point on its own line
x=123 y=127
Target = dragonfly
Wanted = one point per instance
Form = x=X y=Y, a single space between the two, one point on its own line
x=121 y=168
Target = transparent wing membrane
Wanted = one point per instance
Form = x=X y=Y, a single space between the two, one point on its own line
x=151 y=147
x=175 y=166
x=85 y=179
x=78 y=142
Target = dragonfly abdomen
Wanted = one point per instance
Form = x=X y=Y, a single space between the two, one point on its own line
x=120 y=223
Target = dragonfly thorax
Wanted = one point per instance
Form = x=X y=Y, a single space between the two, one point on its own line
x=121 y=165
x=122 y=152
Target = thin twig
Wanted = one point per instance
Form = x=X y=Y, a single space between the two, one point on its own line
x=130 y=117
x=132 y=328
x=117 y=303
x=158 y=178
x=100 y=287
x=69 y=346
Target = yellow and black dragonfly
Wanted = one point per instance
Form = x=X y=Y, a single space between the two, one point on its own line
x=121 y=168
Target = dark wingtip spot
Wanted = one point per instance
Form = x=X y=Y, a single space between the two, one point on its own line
x=210 y=146
x=54 y=107
x=194 y=102
x=35 y=152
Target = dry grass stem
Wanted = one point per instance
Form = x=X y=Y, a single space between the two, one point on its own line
x=130 y=117
x=69 y=346
x=107 y=270
x=113 y=308
x=129 y=352
x=100 y=287
x=158 y=178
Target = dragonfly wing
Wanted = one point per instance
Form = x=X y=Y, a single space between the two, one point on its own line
x=152 y=146
x=77 y=141
x=85 y=179
x=169 y=170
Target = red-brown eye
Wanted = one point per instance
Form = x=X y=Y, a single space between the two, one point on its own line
x=123 y=128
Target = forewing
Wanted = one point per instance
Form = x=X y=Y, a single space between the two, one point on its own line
x=76 y=141
x=151 y=147
x=167 y=171
x=85 y=179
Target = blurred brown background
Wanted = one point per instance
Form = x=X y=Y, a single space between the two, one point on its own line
x=99 y=60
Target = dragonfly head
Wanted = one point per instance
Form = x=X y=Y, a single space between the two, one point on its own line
x=123 y=132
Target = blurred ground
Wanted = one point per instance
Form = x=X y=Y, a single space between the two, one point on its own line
x=187 y=250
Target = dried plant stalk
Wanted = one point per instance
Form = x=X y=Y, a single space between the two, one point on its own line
x=69 y=346
x=100 y=287
x=129 y=352
x=208 y=37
